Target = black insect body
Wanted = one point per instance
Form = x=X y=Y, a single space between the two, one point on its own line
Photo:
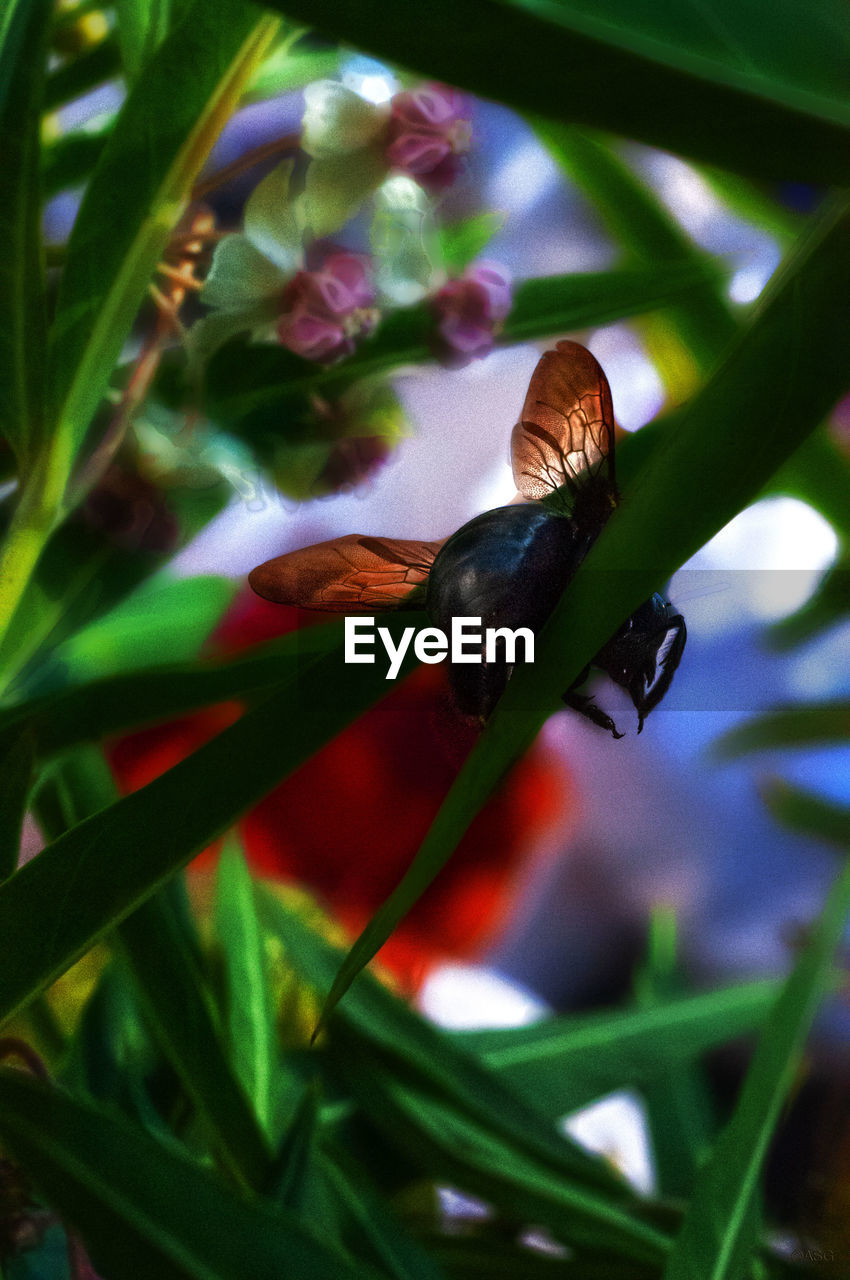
x=509 y=566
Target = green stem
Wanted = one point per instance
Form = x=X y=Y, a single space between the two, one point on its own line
x=37 y=514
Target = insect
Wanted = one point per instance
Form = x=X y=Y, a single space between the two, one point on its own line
x=510 y=565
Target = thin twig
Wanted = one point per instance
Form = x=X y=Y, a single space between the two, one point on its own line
x=246 y=162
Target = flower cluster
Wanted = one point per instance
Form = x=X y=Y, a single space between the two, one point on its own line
x=279 y=275
x=470 y=311
x=428 y=133
x=324 y=311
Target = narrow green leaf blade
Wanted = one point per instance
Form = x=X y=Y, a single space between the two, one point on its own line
x=164 y=619
x=17 y=760
x=90 y=711
x=808 y=814
x=144 y=1211
x=679 y=1105
x=250 y=1009
x=142 y=26
x=799 y=725
x=23 y=333
x=455 y=1148
x=564 y=1063
x=716 y=1239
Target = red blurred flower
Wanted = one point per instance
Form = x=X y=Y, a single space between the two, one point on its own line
x=349 y=821
x=470 y=311
x=324 y=311
x=428 y=132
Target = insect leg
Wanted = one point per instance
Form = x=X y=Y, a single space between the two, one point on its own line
x=583 y=703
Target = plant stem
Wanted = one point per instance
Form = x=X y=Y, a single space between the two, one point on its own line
x=37 y=514
x=244 y=163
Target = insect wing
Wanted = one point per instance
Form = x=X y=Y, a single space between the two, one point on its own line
x=354 y=574
x=566 y=429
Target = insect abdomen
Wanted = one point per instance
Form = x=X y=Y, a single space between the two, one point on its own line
x=507 y=567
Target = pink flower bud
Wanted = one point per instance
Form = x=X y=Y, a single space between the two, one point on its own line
x=324 y=311
x=470 y=311
x=427 y=134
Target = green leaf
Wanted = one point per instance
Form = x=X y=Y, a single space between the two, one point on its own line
x=564 y=1063
x=17 y=759
x=799 y=725
x=240 y=277
x=336 y=186
x=77 y=888
x=23 y=334
x=716 y=1239
x=247 y=386
x=249 y=1005
x=81 y=576
x=144 y=1211
x=165 y=620
x=679 y=1106
x=163 y=955
x=462 y=242
x=155 y=150
x=746 y=86
x=684 y=493
x=142 y=26
x=273 y=223
x=291 y=1178
x=176 y=998
x=819 y=473
x=89 y=712
x=111 y=1056
x=809 y=814
x=558 y=304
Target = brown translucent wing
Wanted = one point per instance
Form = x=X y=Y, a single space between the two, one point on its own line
x=354 y=574
x=567 y=424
